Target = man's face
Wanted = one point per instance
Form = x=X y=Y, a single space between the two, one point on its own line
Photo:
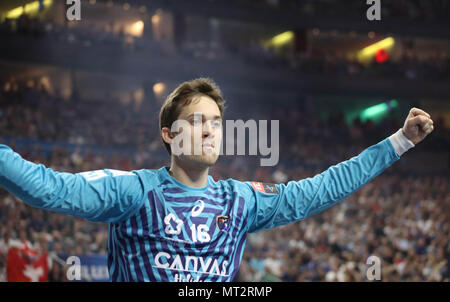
x=202 y=117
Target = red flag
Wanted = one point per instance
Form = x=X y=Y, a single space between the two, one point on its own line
x=26 y=265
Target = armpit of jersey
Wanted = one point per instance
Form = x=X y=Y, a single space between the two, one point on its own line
x=264 y=187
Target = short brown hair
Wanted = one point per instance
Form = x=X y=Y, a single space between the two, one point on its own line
x=183 y=95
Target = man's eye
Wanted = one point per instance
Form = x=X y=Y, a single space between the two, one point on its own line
x=217 y=123
x=196 y=122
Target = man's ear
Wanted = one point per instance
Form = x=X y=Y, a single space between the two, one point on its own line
x=167 y=135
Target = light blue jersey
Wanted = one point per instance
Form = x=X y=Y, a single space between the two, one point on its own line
x=162 y=230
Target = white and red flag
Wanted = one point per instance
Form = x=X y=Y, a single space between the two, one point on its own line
x=26 y=265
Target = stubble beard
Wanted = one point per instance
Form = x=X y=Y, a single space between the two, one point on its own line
x=204 y=160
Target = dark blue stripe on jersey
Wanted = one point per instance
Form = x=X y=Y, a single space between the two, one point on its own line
x=154 y=210
x=182 y=209
x=113 y=265
x=218 y=195
x=211 y=190
x=173 y=190
x=124 y=254
x=195 y=198
x=118 y=256
x=110 y=251
x=131 y=251
x=237 y=253
x=165 y=182
x=157 y=211
x=135 y=247
x=215 y=188
x=145 y=233
x=117 y=270
x=154 y=223
x=145 y=226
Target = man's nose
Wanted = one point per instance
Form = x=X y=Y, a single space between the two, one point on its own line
x=207 y=129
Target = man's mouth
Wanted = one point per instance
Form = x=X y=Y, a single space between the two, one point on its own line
x=208 y=145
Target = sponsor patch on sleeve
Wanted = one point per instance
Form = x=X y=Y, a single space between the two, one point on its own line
x=264 y=187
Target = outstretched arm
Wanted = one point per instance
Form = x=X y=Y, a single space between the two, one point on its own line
x=280 y=204
x=102 y=195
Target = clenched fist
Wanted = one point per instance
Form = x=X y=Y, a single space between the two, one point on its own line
x=417 y=125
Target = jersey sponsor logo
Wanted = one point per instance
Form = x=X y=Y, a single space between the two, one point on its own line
x=270 y=188
x=172 y=219
x=198 y=208
x=264 y=187
x=191 y=264
x=258 y=186
x=223 y=223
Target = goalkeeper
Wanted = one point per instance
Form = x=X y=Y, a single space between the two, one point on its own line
x=177 y=223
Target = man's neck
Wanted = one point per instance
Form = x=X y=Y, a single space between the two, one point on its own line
x=189 y=175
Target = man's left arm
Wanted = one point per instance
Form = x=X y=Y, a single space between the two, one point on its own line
x=280 y=204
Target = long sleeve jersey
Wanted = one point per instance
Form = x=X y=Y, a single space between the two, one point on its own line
x=163 y=230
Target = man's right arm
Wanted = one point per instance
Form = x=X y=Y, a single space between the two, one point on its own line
x=100 y=196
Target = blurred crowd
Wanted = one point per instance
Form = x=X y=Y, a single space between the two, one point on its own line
x=399 y=217
x=85 y=37
x=404 y=9
x=321 y=61
x=318 y=61
x=408 y=67
x=28 y=110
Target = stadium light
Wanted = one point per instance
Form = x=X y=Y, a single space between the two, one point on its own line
x=368 y=52
x=381 y=56
x=393 y=104
x=137 y=28
x=15 y=13
x=159 y=89
x=156 y=19
x=378 y=111
x=281 y=39
x=373 y=111
x=30 y=8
